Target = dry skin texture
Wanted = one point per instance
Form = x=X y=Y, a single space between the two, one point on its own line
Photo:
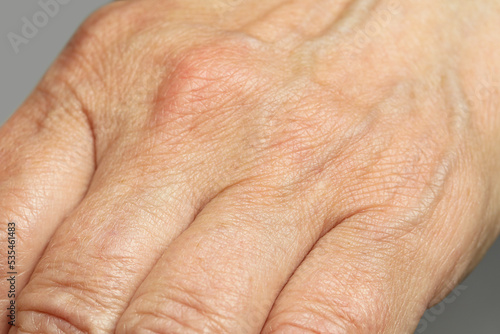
x=255 y=166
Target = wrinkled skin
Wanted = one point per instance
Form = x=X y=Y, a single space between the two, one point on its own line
x=255 y=167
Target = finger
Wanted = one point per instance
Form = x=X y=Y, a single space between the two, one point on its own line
x=214 y=278
x=105 y=248
x=351 y=284
x=223 y=274
x=159 y=167
x=380 y=267
x=46 y=163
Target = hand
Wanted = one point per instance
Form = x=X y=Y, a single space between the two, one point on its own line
x=255 y=167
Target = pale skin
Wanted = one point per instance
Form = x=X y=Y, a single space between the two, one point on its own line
x=255 y=167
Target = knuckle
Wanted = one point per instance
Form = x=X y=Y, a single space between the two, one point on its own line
x=58 y=299
x=357 y=302
x=107 y=24
x=34 y=321
x=206 y=82
x=99 y=54
x=348 y=317
x=83 y=62
x=286 y=328
x=314 y=140
x=400 y=177
x=178 y=312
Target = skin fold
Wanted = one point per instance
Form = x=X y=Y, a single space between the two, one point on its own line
x=244 y=166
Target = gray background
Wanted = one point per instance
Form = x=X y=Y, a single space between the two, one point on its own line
x=475 y=310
